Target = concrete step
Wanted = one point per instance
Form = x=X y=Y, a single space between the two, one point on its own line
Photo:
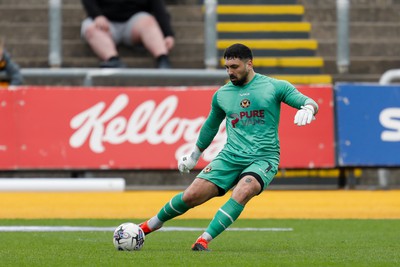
x=364 y=47
x=184 y=51
x=263 y=30
x=92 y=62
x=253 y=13
x=40 y=31
x=288 y=70
x=362 y=13
x=178 y=13
x=353 y=3
x=358 y=30
x=351 y=77
x=363 y=65
x=80 y=49
x=73 y=14
x=274 y=48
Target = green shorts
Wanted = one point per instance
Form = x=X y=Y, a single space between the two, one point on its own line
x=227 y=169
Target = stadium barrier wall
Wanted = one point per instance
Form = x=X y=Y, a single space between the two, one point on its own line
x=137 y=128
x=61 y=184
x=368 y=125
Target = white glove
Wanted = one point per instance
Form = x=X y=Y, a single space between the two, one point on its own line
x=186 y=163
x=304 y=115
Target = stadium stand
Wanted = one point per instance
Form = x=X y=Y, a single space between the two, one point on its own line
x=25 y=24
x=374 y=37
x=277 y=33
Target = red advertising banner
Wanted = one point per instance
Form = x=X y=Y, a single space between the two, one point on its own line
x=135 y=128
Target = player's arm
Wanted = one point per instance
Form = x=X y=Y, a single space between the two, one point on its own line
x=207 y=133
x=307 y=107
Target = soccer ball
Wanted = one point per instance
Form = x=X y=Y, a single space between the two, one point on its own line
x=128 y=237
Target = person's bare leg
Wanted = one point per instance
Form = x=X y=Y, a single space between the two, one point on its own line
x=101 y=43
x=148 y=32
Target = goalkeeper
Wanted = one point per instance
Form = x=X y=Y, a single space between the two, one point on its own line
x=251 y=105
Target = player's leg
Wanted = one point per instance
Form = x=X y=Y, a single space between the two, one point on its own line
x=247 y=188
x=252 y=182
x=197 y=193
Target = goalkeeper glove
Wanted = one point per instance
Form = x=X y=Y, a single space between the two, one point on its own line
x=304 y=115
x=186 y=163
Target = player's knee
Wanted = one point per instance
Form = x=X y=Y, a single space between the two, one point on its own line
x=191 y=198
x=245 y=190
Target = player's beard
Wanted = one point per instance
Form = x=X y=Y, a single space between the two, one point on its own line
x=239 y=82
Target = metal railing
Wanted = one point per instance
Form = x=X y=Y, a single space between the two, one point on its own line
x=210 y=34
x=55 y=33
x=342 y=47
x=89 y=74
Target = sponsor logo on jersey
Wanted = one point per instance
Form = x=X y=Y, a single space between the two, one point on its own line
x=235 y=119
x=246 y=118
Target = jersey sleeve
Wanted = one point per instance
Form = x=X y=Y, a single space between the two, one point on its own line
x=292 y=97
x=211 y=125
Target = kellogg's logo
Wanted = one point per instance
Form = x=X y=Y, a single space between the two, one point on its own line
x=149 y=122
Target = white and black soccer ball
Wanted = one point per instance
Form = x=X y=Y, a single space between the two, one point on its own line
x=128 y=237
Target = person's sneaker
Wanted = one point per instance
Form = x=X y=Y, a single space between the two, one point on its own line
x=163 y=62
x=200 y=245
x=146 y=229
x=113 y=62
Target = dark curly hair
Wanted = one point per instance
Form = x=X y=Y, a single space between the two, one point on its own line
x=238 y=51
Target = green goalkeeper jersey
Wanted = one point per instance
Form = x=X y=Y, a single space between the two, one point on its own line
x=252 y=113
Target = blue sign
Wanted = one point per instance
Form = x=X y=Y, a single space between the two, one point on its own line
x=368 y=125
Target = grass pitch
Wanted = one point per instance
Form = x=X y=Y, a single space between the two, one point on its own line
x=311 y=243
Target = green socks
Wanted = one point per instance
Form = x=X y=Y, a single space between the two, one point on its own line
x=173 y=208
x=225 y=216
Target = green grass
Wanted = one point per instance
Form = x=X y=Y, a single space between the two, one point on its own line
x=311 y=243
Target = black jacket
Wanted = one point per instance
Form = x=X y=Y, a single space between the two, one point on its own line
x=11 y=69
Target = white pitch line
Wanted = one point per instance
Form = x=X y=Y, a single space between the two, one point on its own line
x=111 y=229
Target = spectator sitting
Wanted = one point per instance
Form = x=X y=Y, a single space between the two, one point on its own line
x=111 y=22
x=10 y=68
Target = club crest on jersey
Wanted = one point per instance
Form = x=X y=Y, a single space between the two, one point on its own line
x=245 y=103
x=207 y=169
